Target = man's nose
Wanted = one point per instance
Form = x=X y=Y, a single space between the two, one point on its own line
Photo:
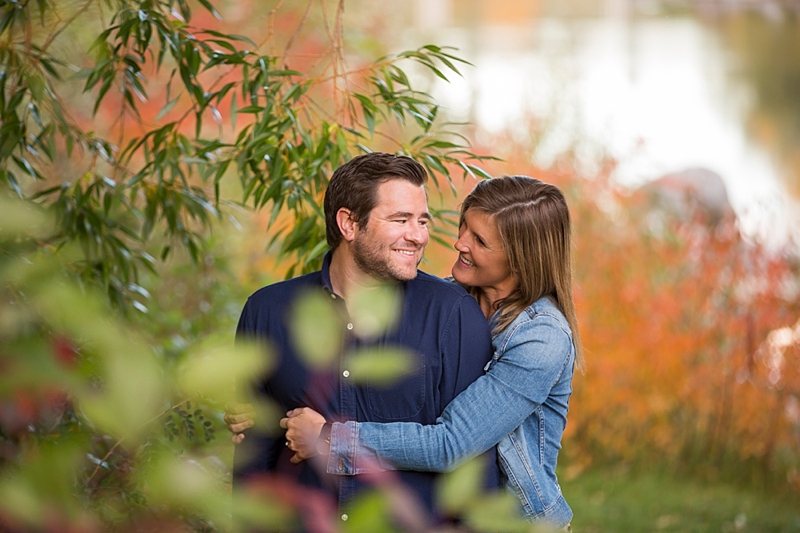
x=417 y=233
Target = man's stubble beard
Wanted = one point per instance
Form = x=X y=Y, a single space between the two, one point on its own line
x=368 y=257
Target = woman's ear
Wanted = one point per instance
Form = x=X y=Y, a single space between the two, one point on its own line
x=347 y=226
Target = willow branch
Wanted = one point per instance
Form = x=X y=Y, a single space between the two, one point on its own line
x=296 y=33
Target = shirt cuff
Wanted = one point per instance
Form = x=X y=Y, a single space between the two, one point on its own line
x=348 y=456
x=344 y=437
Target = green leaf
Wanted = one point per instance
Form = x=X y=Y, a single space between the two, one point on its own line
x=23 y=164
x=167 y=108
x=206 y=4
x=233 y=111
x=216 y=366
x=460 y=489
x=103 y=90
x=232 y=37
x=478 y=170
x=374 y=310
x=15 y=100
x=499 y=513
x=9 y=177
x=316 y=329
x=380 y=365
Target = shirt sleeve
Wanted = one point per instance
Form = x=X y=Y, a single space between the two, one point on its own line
x=535 y=356
x=466 y=346
x=259 y=451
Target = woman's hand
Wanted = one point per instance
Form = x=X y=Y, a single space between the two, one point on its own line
x=238 y=417
x=303 y=426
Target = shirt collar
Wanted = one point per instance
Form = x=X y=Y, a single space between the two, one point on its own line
x=326 y=272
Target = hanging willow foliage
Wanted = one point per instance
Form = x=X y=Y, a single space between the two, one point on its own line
x=230 y=114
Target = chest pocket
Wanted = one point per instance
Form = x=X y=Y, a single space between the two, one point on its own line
x=402 y=398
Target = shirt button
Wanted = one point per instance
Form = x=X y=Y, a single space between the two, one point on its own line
x=346 y=373
x=350 y=326
x=333 y=296
x=345 y=517
x=341 y=465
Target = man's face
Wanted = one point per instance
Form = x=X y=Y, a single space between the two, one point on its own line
x=391 y=245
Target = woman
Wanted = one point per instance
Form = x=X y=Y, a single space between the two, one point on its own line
x=514 y=258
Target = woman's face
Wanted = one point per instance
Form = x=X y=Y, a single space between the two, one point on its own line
x=482 y=261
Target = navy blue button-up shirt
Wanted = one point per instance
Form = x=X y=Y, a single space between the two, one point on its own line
x=440 y=324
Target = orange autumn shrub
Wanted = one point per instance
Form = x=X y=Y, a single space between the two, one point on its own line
x=691 y=333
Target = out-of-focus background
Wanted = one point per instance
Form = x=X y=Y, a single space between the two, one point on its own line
x=672 y=126
x=660 y=87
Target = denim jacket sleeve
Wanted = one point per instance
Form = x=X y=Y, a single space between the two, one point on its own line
x=532 y=357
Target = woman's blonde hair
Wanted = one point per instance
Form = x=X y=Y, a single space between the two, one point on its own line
x=533 y=220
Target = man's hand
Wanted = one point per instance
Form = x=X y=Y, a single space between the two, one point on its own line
x=238 y=417
x=303 y=426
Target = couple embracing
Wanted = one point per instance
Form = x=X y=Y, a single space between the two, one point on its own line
x=495 y=349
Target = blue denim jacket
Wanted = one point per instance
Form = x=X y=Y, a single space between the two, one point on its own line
x=520 y=404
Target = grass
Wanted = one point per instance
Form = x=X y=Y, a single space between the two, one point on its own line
x=610 y=501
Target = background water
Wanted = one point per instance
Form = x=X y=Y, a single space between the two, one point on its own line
x=658 y=91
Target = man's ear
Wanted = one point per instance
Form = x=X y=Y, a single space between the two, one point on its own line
x=344 y=218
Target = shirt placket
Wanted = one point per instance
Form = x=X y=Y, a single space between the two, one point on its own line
x=348 y=402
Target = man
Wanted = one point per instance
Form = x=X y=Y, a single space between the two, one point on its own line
x=376 y=219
